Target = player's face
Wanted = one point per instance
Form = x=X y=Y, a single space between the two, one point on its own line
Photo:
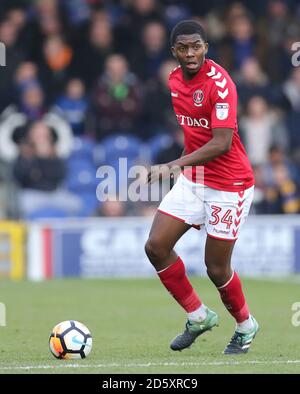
x=190 y=51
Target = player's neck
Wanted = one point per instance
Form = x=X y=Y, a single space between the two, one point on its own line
x=188 y=77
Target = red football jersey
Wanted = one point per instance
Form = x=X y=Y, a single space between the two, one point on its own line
x=208 y=101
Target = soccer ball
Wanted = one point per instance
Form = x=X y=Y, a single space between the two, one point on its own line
x=70 y=340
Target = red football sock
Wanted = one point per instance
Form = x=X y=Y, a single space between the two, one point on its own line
x=176 y=282
x=233 y=299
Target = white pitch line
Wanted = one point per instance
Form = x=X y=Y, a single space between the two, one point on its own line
x=165 y=364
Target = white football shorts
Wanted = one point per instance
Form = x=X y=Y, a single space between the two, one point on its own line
x=223 y=213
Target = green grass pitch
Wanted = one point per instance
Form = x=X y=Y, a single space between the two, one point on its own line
x=133 y=321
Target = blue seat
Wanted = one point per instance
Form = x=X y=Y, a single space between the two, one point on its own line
x=47 y=213
x=118 y=146
x=158 y=143
x=83 y=148
x=90 y=204
x=81 y=175
x=292 y=122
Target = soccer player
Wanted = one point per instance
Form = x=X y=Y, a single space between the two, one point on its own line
x=205 y=103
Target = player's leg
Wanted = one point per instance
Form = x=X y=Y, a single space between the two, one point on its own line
x=180 y=209
x=164 y=234
x=218 y=262
x=225 y=220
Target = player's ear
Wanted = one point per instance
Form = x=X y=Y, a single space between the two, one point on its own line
x=206 y=48
x=173 y=52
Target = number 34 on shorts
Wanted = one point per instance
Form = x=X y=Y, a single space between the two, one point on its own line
x=223 y=213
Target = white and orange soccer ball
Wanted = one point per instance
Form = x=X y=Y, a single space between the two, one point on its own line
x=70 y=340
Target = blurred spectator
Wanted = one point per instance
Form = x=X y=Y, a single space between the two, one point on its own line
x=259 y=201
x=17 y=17
x=144 y=8
x=38 y=167
x=158 y=115
x=281 y=64
x=291 y=89
x=113 y=208
x=273 y=25
x=26 y=72
x=46 y=20
x=277 y=156
x=20 y=19
x=8 y=202
x=92 y=52
x=49 y=17
x=32 y=100
x=46 y=8
x=281 y=179
x=14 y=121
x=116 y=100
x=152 y=51
x=3 y=210
x=261 y=128
x=78 y=11
x=30 y=107
x=214 y=26
x=148 y=210
x=40 y=172
x=240 y=44
x=14 y=56
x=66 y=52
x=55 y=67
x=252 y=81
x=278 y=30
x=73 y=105
x=175 y=12
x=173 y=151
x=131 y=25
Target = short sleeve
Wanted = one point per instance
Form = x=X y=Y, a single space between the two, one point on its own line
x=224 y=104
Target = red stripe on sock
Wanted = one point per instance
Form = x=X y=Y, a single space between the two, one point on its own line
x=176 y=282
x=243 y=314
x=233 y=298
x=192 y=302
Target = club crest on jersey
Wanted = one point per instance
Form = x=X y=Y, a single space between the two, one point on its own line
x=198 y=97
x=222 y=110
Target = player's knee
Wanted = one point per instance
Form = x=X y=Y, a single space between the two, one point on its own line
x=155 y=250
x=217 y=272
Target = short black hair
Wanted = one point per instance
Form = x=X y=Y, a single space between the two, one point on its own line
x=187 y=27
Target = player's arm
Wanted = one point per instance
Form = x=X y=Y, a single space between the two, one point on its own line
x=217 y=146
x=223 y=121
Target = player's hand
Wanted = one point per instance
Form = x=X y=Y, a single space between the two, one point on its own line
x=161 y=171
